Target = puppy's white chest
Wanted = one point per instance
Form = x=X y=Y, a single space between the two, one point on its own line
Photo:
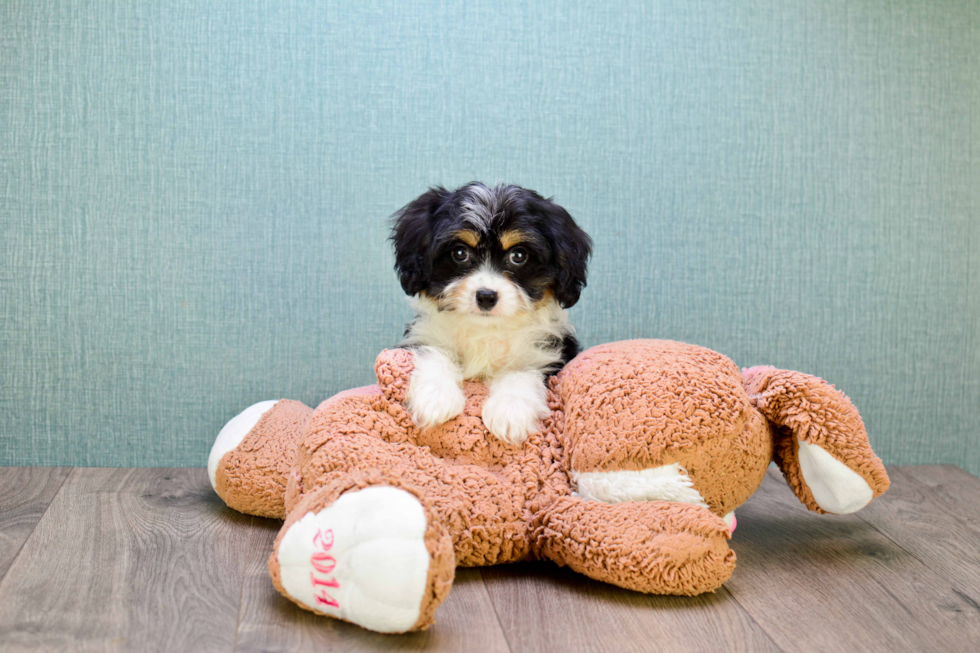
x=481 y=354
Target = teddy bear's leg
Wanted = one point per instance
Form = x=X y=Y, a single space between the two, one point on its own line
x=253 y=453
x=657 y=547
x=368 y=549
x=484 y=511
x=821 y=445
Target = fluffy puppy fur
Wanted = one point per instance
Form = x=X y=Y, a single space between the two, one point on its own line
x=491 y=271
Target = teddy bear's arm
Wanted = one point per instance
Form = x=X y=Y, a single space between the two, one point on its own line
x=657 y=547
x=253 y=455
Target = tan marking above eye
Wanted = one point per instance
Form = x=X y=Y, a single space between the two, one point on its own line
x=510 y=238
x=471 y=238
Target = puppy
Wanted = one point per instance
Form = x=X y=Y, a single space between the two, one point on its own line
x=490 y=271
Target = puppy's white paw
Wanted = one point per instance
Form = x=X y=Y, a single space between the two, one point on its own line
x=433 y=402
x=434 y=393
x=516 y=406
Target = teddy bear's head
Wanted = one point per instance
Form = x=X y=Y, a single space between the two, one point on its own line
x=657 y=409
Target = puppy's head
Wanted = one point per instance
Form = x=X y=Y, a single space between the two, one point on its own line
x=489 y=251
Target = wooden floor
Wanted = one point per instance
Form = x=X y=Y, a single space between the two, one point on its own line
x=150 y=559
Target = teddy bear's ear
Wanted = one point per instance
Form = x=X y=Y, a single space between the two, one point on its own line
x=821 y=444
x=393 y=368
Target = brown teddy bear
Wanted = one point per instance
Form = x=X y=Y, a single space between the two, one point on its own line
x=633 y=478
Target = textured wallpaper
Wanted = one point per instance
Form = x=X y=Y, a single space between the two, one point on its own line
x=194 y=197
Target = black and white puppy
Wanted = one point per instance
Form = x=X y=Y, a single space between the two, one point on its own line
x=491 y=271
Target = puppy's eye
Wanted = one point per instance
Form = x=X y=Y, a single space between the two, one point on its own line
x=460 y=254
x=518 y=256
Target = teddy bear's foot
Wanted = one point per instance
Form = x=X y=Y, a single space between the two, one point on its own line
x=372 y=556
x=658 y=547
x=252 y=456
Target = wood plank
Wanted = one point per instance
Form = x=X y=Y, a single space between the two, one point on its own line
x=957 y=491
x=151 y=560
x=833 y=583
x=124 y=559
x=25 y=493
x=269 y=622
x=940 y=530
x=546 y=608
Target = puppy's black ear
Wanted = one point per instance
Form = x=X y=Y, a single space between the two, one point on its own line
x=411 y=235
x=572 y=248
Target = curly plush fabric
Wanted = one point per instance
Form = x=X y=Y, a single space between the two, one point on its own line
x=671 y=437
x=479 y=486
x=441 y=570
x=655 y=547
x=252 y=477
x=805 y=408
x=657 y=402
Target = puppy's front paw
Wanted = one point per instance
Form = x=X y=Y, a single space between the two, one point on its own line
x=432 y=402
x=434 y=395
x=516 y=406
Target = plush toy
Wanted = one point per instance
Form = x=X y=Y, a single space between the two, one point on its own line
x=632 y=479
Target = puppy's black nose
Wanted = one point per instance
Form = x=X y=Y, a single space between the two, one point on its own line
x=486 y=298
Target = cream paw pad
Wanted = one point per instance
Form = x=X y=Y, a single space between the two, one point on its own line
x=364 y=559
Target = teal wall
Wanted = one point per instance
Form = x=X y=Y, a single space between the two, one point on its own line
x=194 y=197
